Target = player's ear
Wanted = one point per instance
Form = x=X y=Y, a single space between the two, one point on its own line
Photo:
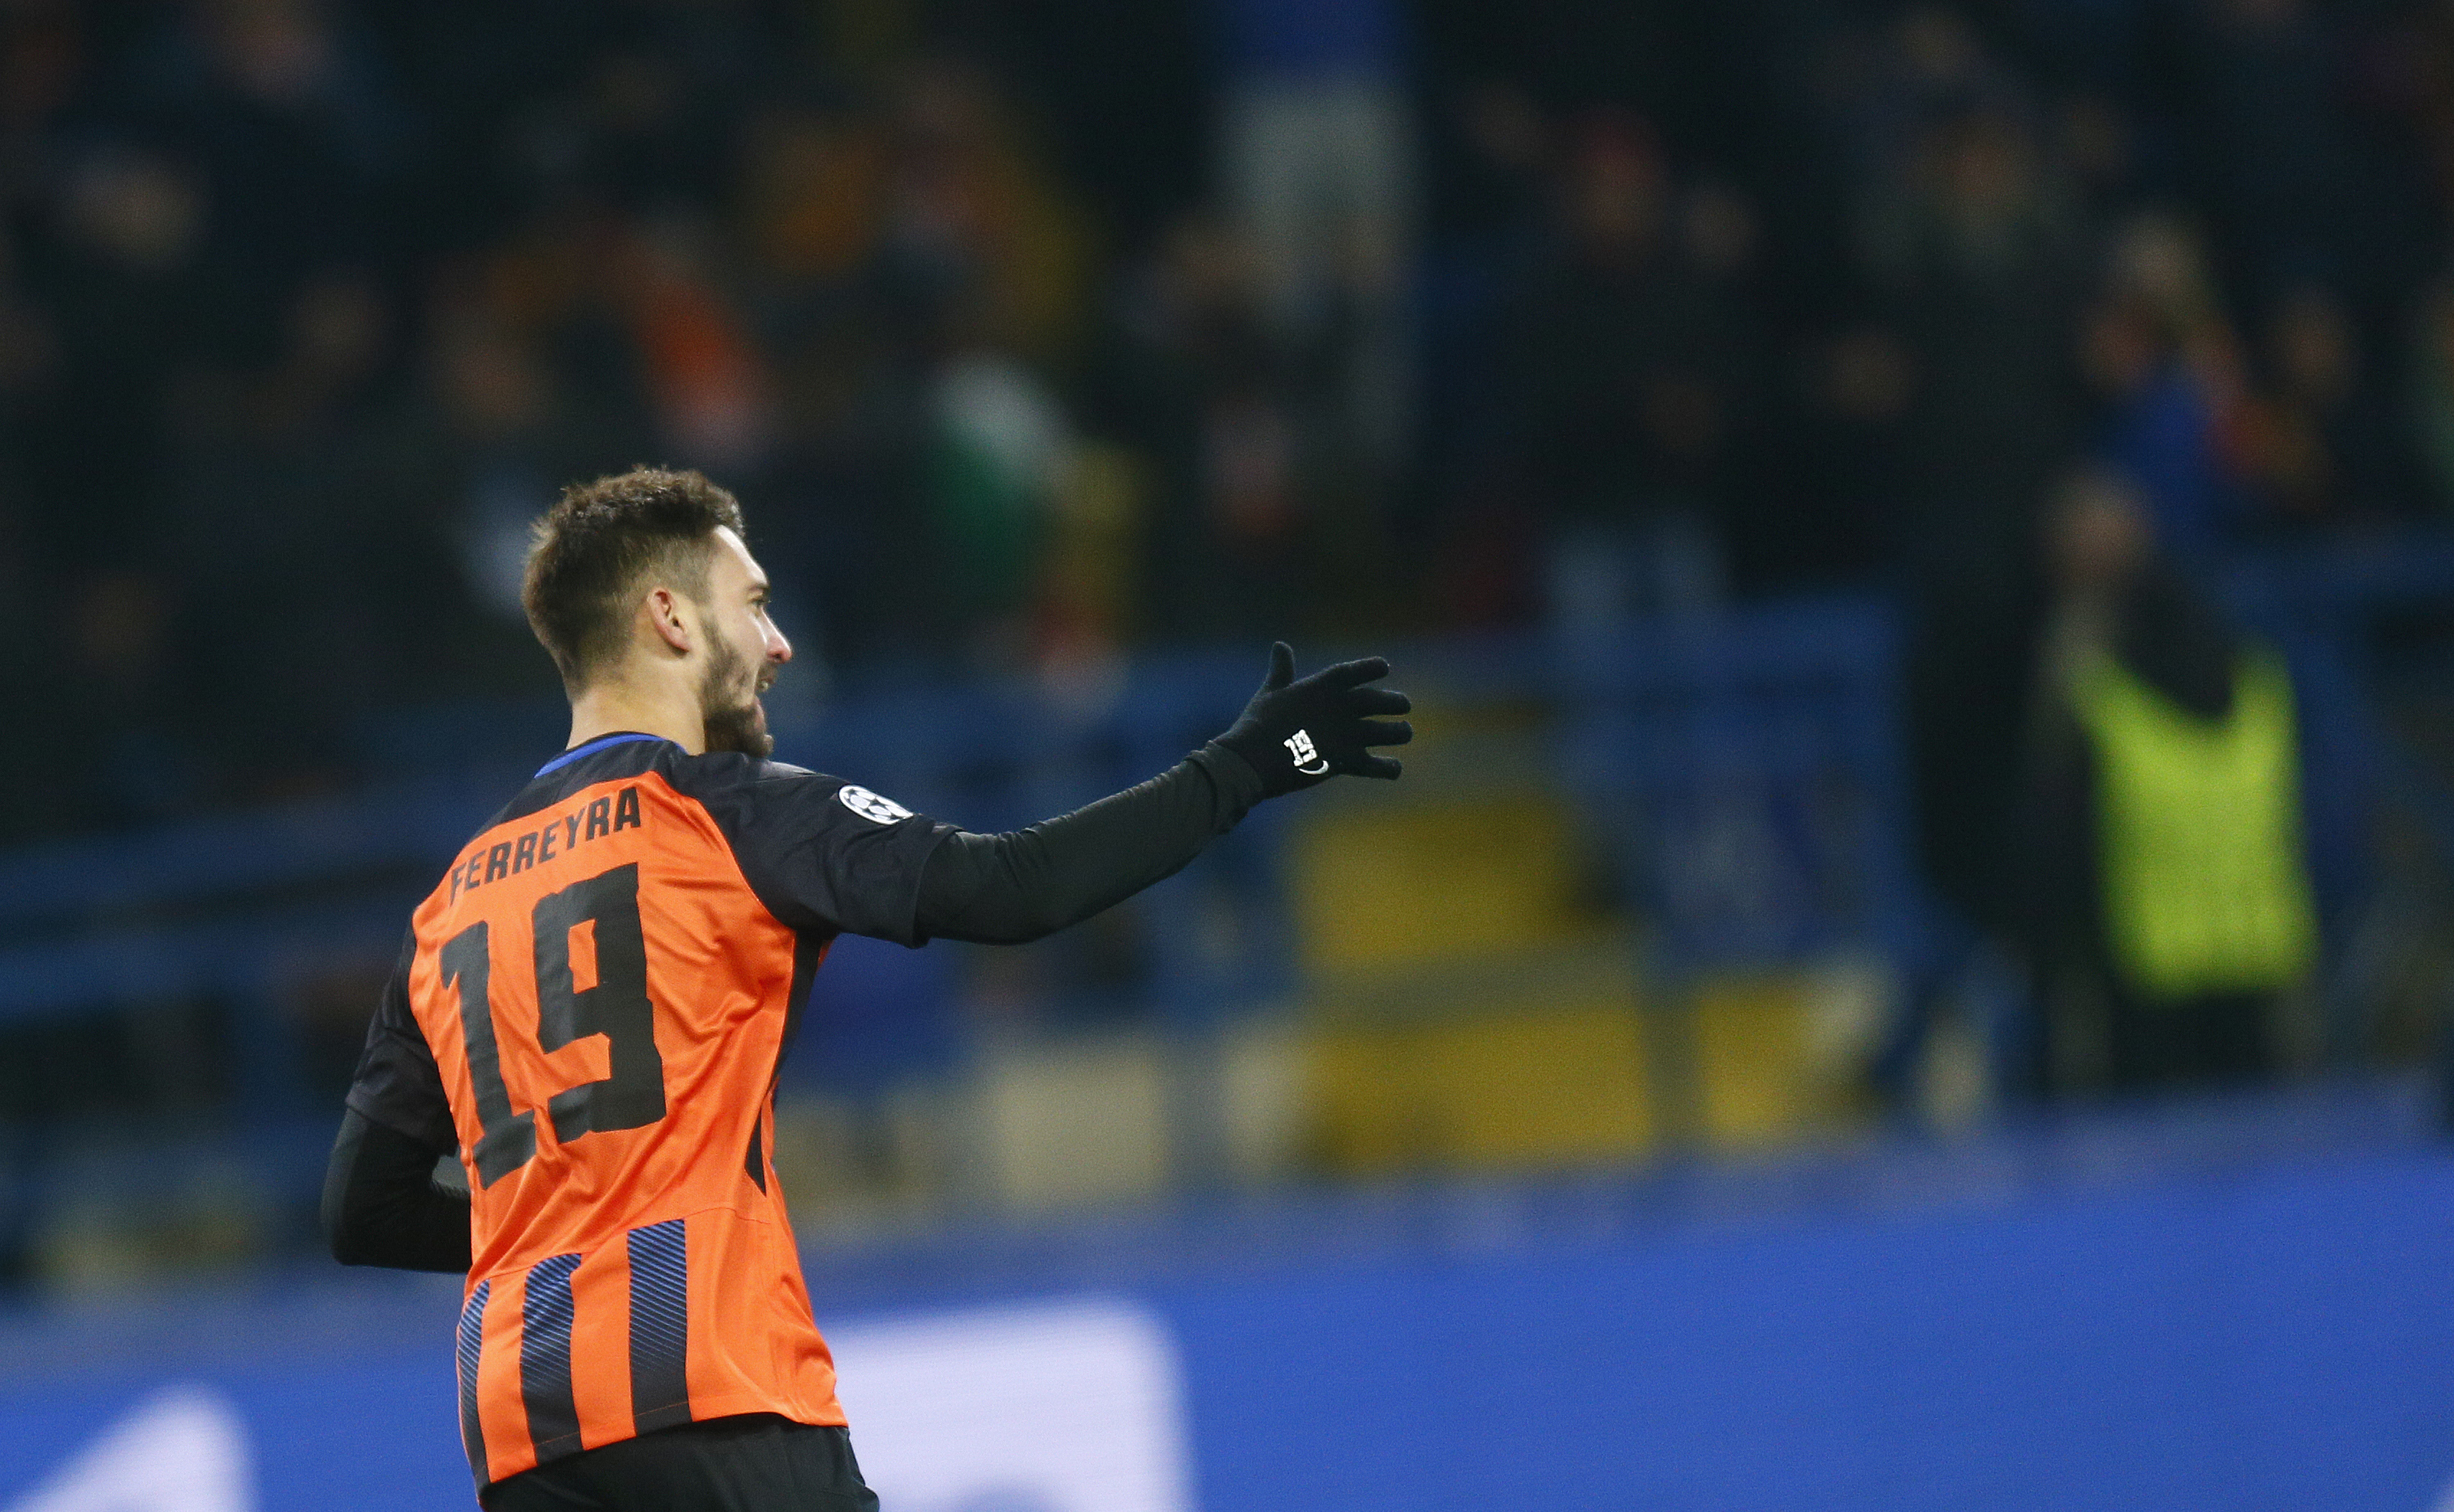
x=663 y=608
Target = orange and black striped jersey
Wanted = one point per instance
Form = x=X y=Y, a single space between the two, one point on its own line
x=591 y=1008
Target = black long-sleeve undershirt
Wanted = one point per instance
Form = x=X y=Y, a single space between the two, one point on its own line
x=1023 y=885
x=382 y=1205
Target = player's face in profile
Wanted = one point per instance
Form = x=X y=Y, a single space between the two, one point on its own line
x=744 y=652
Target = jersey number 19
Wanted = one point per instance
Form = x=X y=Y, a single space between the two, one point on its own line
x=615 y=1005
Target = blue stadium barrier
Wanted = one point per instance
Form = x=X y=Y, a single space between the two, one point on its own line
x=2237 y=1307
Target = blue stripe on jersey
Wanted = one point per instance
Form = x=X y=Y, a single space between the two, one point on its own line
x=659 y=1326
x=471 y=1343
x=545 y=1358
x=598 y=744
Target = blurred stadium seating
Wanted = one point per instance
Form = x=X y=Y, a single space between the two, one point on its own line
x=1647 y=890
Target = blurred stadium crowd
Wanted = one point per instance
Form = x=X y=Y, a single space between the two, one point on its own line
x=1033 y=334
x=1033 y=329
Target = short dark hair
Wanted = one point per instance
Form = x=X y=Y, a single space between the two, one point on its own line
x=589 y=553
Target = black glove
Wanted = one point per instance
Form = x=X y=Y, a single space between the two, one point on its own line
x=1296 y=734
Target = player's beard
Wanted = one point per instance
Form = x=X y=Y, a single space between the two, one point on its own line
x=729 y=707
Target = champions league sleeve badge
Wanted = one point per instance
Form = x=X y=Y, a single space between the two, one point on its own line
x=870 y=806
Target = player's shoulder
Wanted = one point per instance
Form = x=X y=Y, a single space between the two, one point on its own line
x=740 y=793
x=727 y=780
x=738 y=788
x=720 y=772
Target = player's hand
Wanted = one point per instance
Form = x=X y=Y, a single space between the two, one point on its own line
x=1298 y=733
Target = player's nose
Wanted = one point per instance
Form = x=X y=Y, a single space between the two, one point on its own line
x=779 y=650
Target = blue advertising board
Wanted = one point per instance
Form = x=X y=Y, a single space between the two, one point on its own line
x=2280 y=1339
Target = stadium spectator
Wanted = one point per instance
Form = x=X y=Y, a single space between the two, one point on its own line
x=2166 y=902
x=1191 y=373
x=2321 y=451
x=1973 y=261
x=1318 y=168
x=1636 y=373
x=291 y=122
x=1494 y=227
x=2167 y=372
x=115 y=302
x=2265 y=133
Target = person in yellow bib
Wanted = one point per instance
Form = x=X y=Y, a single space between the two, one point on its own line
x=2170 y=903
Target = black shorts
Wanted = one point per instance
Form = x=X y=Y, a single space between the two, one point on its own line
x=753 y=1464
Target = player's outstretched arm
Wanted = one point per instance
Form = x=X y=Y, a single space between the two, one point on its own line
x=1012 y=888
